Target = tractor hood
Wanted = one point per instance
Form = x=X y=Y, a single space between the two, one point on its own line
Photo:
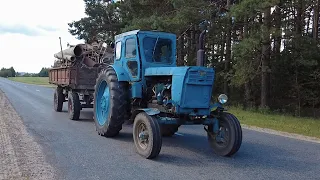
x=191 y=86
x=180 y=70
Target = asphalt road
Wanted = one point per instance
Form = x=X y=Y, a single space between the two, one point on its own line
x=78 y=152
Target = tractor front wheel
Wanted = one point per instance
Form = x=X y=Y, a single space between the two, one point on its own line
x=74 y=106
x=147 y=135
x=228 y=139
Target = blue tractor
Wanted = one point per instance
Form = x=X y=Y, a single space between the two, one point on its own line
x=146 y=88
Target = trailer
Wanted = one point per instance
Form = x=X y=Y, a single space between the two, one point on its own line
x=74 y=73
x=75 y=85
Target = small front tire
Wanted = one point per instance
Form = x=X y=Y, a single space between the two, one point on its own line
x=229 y=137
x=147 y=135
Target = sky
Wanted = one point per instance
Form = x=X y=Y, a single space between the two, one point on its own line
x=30 y=31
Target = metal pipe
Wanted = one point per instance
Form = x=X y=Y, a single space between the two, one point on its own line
x=200 y=53
x=61 y=47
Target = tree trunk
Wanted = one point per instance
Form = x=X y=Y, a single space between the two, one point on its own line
x=277 y=47
x=180 y=52
x=222 y=50
x=265 y=76
x=228 y=53
x=189 y=49
x=247 y=85
x=298 y=34
x=316 y=20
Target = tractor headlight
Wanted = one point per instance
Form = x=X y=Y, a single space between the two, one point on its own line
x=223 y=98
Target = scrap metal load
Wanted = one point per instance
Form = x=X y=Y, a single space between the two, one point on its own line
x=90 y=55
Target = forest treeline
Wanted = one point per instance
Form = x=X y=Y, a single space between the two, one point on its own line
x=10 y=72
x=7 y=72
x=266 y=53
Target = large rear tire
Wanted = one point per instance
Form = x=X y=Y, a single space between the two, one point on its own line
x=147 y=135
x=58 y=99
x=74 y=106
x=229 y=138
x=110 y=103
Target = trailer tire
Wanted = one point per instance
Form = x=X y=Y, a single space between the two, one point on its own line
x=110 y=103
x=58 y=99
x=234 y=141
x=74 y=105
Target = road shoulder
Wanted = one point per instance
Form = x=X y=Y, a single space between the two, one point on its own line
x=284 y=134
x=20 y=156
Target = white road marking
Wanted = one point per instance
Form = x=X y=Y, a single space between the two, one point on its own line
x=38 y=90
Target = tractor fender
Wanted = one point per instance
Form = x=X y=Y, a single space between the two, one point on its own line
x=149 y=111
x=122 y=74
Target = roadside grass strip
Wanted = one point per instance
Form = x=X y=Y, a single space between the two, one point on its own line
x=285 y=123
x=43 y=81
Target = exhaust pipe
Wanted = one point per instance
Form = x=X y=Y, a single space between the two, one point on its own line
x=200 y=53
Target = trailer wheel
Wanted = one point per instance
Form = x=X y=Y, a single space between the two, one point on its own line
x=147 y=135
x=110 y=103
x=58 y=99
x=168 y=130
x=229 y=137
x=74 y=105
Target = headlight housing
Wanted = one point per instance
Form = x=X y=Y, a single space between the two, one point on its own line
x=223 y=98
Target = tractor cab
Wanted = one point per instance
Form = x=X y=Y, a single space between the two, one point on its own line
x=137 y=50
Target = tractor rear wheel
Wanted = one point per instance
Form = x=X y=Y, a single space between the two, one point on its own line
x=74 y=105
x=58 y=99
x=110 y=103
x=147 y=135
x=229 y=137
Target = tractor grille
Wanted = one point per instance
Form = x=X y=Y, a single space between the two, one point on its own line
x=200 y=77
x=197 y=89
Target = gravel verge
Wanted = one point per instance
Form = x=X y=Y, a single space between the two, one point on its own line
x=20 y=156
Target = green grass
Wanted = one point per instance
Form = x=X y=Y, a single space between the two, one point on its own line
x=44 y=81
x=285 y=123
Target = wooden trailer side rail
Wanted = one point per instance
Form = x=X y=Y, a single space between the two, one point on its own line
x=63 y=76
x=74 y=77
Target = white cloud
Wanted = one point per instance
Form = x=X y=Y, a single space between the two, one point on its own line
x=30 y=31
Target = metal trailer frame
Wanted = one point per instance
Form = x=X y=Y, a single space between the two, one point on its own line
x=75 y=85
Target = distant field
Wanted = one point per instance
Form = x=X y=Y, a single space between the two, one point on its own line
x=33 y=80
x=285 y=123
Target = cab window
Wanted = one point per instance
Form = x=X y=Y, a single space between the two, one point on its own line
x=158 y=50
x=131 y=48
x=118 y=50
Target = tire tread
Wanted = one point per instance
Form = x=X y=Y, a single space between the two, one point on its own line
x=118 y=95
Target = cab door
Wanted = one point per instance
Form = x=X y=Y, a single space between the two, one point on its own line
x=131 y=58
